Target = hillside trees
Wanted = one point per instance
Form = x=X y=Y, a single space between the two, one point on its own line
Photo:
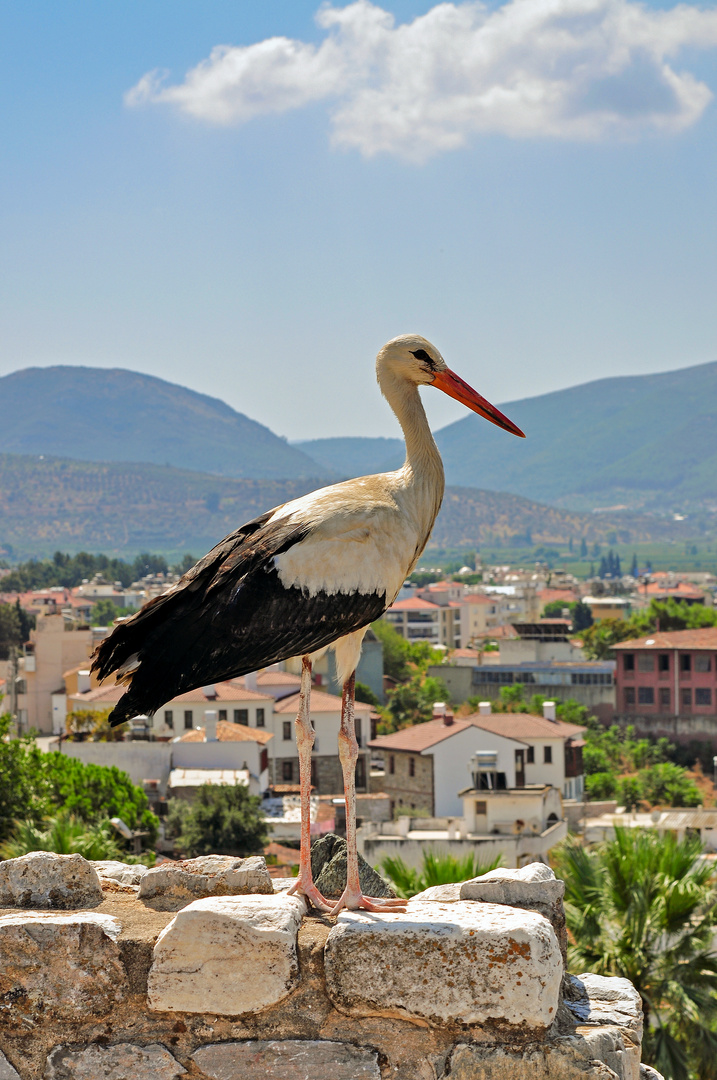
x=644 y=906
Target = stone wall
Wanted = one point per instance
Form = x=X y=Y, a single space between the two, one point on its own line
x=200 y=969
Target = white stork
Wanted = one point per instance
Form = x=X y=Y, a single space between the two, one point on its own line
x=307 y=575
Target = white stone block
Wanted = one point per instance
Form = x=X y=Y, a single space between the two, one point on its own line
x=6 y=1070
x=124 y=1061
x=447 y=894
x=607 y=999
x=552 y=1061
x=531 y=884
x=67 y=965
x=227 y=955
x=42 y=879
x=441 y=963
x=287 y=1059
x=122 y=873
x=208 y=875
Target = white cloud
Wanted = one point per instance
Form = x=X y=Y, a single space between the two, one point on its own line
x=569 y=69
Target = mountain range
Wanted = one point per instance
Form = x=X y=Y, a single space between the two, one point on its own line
x=122 y=508
x=639 y=441
x=644 y=442
x=108 y=414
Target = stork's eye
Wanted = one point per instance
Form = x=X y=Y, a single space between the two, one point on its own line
x=421 y=354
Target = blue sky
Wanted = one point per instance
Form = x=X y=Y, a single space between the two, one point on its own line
x=531 y=185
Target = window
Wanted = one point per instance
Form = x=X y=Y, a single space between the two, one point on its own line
x=411 y=766
x=645 y=695
x=531 y=755
x=169 y=719
x=481 y=807
x=664 y=698
x=260 y=722
x=357 y=728
x=391 y=764
x=241 y=716
x=263 y=760
x=628 y=661
x=287 y=771
x=287 y=731
x=686 y=697
x=547 y=755
x=703 y=695
x=702 y=663
x=629 y=696
x=685 y=662
x=222 y=714
x=663 y=662
x=361 y=771
x=188 y=719
x=646 y=662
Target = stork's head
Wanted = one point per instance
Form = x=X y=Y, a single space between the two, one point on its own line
x=412 y=358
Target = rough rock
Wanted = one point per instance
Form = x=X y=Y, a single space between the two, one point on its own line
x=648 y=1073
x=604 y=999
x=210 y=875
x=45 y=880
x=290 y=1059
x=549 y=1062
x=122 y=873
x=6 y=1070
x=533 y=887
x=227 y=955
x=124 y=1061
x=445 y=894
x=461 y=963
x=328 y=866
x=69 y=964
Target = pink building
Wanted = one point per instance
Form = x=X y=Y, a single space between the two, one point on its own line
x=668 y=682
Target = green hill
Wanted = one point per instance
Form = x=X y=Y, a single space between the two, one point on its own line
x=355 y=456
x=114 y=415
x=644 y=441
x=122 y=509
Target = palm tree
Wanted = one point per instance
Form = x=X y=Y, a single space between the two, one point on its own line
x=65 y=835
x=644 y=906
x=436 y=870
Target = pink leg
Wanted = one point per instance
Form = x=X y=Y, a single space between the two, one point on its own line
x=352 y=897
x=304 y=741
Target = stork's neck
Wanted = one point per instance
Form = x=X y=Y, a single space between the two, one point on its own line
x=423 y=467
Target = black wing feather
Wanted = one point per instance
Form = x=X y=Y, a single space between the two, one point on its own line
x=229 y=614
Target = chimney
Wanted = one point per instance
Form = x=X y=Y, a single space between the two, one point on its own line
x=549 y=711
x=484 y=708
x=83 y=682
x=439 y=710
x=447 y=718
x=210 y=725
x=250 y=681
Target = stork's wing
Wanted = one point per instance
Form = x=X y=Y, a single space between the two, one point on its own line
x=233 y=613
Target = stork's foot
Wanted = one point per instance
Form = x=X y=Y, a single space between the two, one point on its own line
x=353 y=899
x=308 y=890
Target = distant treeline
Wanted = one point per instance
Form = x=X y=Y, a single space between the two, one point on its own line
x=71 y=570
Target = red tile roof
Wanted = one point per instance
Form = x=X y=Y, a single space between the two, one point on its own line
x=706 y=638
x=524 y=726
x=420 y=737
x=227 y=732
x=321 y=702
x=414 y=603
x=233 y=690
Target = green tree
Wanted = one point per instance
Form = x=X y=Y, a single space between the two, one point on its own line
x=644 y=906
x=412 y=702
x=436 y=870
x=668 y=784
x=401 y=658
x=223 y=820
x=64 y=835
x=10 y=629
x=92 y=792
x=366 y=695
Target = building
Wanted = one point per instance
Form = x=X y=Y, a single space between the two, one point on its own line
x=519 y=825
x=369 y=669
x=666 y=683
x=326 y=774
x=416 y=620
x=55 y=646
x=426 y=765
x=542 y=658
x=608 y=607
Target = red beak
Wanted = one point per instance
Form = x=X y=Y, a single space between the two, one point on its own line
x=453 y=385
